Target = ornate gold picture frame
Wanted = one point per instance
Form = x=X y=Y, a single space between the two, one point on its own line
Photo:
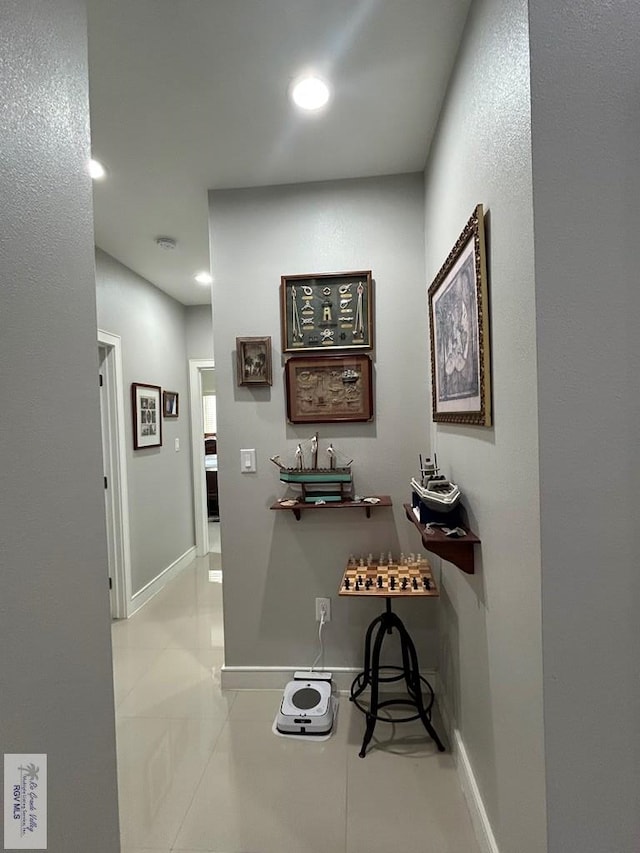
x=459 y=323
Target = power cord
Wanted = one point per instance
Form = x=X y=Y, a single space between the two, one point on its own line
x=321 y=652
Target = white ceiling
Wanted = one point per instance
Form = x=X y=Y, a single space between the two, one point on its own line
x=191 y=95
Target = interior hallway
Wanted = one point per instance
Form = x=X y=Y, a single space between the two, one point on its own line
x=200 y=769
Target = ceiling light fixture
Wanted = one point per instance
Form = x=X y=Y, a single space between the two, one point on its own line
x=96 y=170
x=203 y=278
x=167 y=243
x=310 y=93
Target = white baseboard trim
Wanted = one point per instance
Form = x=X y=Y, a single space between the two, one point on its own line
x=150 y=590
x=275 y=677
x=479 y=817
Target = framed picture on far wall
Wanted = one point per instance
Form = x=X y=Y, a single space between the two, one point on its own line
x=459 y=320
x=170 y=404
x=146 y=404
x=253 y=356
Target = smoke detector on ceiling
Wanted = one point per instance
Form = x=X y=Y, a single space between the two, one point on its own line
x=166 y=242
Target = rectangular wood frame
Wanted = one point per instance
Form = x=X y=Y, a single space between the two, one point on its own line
x=329 y=389
x=146 y=407
x=326 y=311
x=170 y=404
x=459 y=322
x=253 y=361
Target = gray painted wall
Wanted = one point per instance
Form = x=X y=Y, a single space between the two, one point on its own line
x=585 y=71
x=56 y=693
x=274 y=565
x=199 y=331
x=491 y=659
x=152 y=327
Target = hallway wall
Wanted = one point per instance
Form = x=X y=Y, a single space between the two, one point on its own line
x=199 y=331
x=276 y=566
x=586 y=123
x=491 y=658
x=154 y=349
x=56 y=690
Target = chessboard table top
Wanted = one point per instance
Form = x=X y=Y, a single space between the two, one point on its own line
x=398 y=572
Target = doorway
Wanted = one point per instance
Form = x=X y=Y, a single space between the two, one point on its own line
x=204 y=446
x=115 y=475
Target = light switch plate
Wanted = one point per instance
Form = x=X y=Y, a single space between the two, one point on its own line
x=248 y=461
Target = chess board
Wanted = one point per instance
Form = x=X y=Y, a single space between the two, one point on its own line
x=413 y=580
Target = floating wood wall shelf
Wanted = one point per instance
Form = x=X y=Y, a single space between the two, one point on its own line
x=458 y=551
x=299 y=507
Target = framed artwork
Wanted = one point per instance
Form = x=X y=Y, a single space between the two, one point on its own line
x=459 y=322
x=253 y=357
x=329 y=389
x=147 y=422
x=326 y=311
x=170 y=404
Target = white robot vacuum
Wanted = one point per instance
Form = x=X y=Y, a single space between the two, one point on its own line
x=306 y=708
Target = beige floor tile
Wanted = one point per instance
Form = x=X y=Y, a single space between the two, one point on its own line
x=160 y=763
x=145 y=850
x=214 y=537
x=139 y=632
x=405 y=795
x=180 y=683
x=187 y=593
x=272 y=795
x=256 y=705
x=129 y=665
x=201 y=630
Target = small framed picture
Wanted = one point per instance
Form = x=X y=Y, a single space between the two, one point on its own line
x=170 y=404
x=329 y=389
x=146 y=401
x=326 y=311
x=253 y=356
x=459 y=320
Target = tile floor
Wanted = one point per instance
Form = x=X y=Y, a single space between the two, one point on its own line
x=200 y=769
x=214 y=537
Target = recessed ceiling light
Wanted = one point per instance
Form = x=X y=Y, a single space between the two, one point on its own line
x=310 y=93
x=96 y=170
x=203 y=278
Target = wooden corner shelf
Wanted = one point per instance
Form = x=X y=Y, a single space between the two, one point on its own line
x=458 y=551
x=300 y=507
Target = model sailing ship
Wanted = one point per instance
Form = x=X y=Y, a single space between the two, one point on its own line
x=333 y=482
x=433 y=489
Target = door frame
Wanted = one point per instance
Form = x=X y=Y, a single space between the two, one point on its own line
x=107 y=470
x=118 y=493
x=201 y=516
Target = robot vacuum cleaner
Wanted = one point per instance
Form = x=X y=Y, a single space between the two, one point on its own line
x=306 y=708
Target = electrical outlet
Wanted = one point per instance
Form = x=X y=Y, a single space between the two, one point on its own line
x=323 y=605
